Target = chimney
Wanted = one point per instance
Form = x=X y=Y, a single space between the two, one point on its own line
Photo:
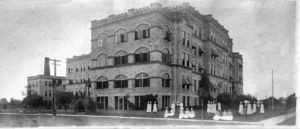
x=46 y=67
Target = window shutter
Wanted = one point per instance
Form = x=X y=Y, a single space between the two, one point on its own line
x=125 y=37
x=140 y=34
x=136 y=35
x=148 y=32
x=146 y=82
x=144 y=34
x=136 y=82
x=136 y=58
x=124 y=83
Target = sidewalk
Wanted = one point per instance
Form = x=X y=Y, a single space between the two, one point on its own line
x=276 y=120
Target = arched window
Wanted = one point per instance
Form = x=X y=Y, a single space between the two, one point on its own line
x=101 y=60
x=102 y=82
x=121 y=36
x=166 y=57
x=142 y=55
x=121 y=57
x=141 y=32
x=166 y=80
x=121 y=81
x=101 y=41
x=167 y=33
x=142 y=80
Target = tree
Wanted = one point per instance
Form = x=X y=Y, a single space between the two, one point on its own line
x=64 y=99
x=291 y=101
x=203 y=91
x=226 y=100
x=33 y=101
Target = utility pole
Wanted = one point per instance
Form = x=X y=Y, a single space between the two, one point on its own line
x=272 y=92
x=54 y=84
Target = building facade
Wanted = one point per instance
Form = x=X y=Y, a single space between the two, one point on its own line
x=155 y=50
x=42 y=85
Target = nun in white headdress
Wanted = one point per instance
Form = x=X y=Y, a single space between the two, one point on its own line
x=149 y=107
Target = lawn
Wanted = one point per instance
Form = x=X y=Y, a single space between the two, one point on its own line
x=290 y=121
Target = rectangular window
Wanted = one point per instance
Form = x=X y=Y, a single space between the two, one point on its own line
x=183 y=58
x=166 y=82
x=124 y=59
x=102 y=85
x=188 y=40
x=136 y=35
x=188 y=101
x=183 y=38
x=195 y=85
x=165 y=101
x=102 y=102
x=116 y=102
x=142 y=82
x=183 y=101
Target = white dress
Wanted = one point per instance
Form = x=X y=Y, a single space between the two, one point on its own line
x=208 y=108
x=262 y=110
x=148 y=107
x=181 y=114
x=219 y=106
x=254 y=108
x=154 y=107
x=166 y=113
x=241 y=109
x=230 y=117
x=192 y=113
x=249 y=110
x=217 y=116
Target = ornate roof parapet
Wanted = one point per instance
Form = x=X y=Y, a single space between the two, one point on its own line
x=143 y=10
x=80 y=57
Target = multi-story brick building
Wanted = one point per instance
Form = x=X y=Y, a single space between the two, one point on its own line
x=42 y=85
x=154 y=50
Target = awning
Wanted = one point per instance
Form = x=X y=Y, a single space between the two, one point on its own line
x=214 y=54
x=186 y=80
x=201 y=50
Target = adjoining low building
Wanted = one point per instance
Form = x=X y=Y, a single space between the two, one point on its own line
x=42 y=85
x=155 y=50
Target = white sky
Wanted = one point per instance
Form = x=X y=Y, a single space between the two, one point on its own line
x=263 y=31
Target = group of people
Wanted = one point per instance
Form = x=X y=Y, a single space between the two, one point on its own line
x=248 y=108
x=151 y=107
x=212 y=107
x=183 y=114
